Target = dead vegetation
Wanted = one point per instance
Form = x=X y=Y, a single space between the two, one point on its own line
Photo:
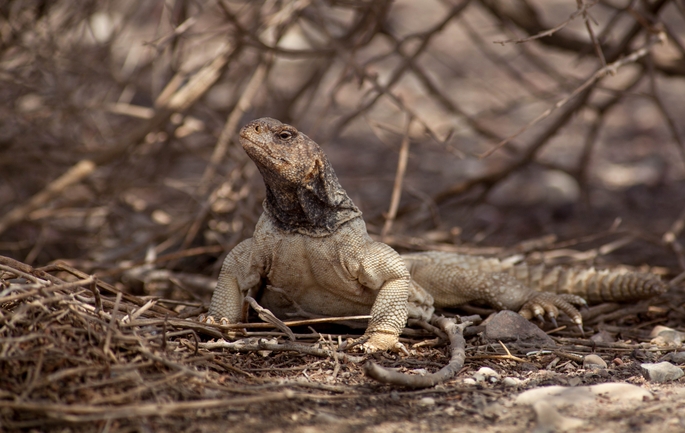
x=550 y=129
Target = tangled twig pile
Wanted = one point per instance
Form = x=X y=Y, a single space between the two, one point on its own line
x=75 y=349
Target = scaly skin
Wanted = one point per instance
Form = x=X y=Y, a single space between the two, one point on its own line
x=311 y=245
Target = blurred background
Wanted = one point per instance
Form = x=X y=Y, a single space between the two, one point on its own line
x=548 y=128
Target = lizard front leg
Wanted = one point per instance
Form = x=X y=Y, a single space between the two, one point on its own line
x=382 y=268
x=237 y=276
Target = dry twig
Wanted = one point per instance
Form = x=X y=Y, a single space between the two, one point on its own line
x=457 y=358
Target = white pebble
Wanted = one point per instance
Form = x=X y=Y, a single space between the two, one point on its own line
x=594 y=361
x=488 y=372
x=511 y=381
x=427 y=401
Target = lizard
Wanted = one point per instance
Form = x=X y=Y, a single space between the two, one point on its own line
x=311 y=244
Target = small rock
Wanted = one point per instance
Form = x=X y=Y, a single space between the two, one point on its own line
x=675 y=357
x=427 y=401
x=665 y=336
x=594 y=361
x=508 y=326
x=668 y=338
x=658 y=329
x=486 y=374
x=511 y=381
x=660 y=372
x=469 y=381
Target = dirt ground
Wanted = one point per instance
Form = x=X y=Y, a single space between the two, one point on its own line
x=123 y=187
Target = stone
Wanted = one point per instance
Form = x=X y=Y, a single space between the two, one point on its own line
x=675 y=357
x=665 y=336
x=427 y=401
x=594 y=361
x=511 y=381
x=658 y=329
x=508 y=326
x=486 y=374
x=660 y=372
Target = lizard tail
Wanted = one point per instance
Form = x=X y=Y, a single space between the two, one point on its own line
x=616 y=285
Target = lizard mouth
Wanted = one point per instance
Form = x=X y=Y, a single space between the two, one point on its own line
x=263 y=149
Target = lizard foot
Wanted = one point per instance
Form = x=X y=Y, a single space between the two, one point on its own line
x=544 y=303
x=379 y=341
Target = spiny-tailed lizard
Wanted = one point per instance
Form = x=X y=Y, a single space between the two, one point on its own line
x=312 y=245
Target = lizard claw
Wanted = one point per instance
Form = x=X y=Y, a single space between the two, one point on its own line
x=209 y=320
x=551 y=304
x=206 y=319
x=399 y=347
x=352 y=343
x=574 y=299
x=553 y=320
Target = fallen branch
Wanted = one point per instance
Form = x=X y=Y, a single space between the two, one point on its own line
x=263 y=344
x=269 y=317
x=458 y=356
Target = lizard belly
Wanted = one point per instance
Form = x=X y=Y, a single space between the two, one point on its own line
x=310 y=276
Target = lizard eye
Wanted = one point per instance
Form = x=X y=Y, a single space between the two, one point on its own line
x=285 y=135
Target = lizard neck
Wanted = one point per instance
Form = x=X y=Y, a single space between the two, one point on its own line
x=316 y=206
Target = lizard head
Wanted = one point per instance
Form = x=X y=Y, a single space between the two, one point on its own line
x=302 y=191
x=281 y=150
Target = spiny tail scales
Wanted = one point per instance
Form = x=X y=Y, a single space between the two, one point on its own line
x=595 y=285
